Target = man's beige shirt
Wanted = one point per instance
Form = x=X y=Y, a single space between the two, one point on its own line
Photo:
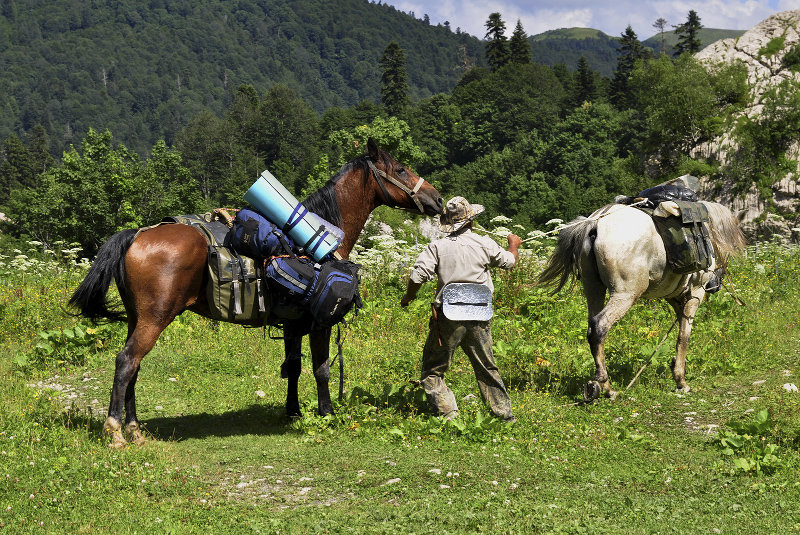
x=460 y=257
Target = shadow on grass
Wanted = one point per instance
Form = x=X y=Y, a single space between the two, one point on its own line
x=571 y=385
x=253 y=420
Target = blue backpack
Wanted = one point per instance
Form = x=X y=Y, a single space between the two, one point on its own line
x=256 y=236
x=328 y=291
x=335 y=293
x=293 y=277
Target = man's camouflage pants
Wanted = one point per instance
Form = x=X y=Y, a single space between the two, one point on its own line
x=475 y=338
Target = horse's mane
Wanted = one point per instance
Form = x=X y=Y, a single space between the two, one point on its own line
x=725 y=233
x=323 y=201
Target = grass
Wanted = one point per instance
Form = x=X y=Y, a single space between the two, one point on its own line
x=222 y=458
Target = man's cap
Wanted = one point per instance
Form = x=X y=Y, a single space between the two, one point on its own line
x=458 y=212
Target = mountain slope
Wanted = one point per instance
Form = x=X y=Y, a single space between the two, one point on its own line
x=143 y=69
x=567 y=45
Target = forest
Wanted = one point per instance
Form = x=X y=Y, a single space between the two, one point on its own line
x=529 y=141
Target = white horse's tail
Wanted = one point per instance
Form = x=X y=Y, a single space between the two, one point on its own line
x=565 y=260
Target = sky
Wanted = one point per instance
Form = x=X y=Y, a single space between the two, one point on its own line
x=609 y=16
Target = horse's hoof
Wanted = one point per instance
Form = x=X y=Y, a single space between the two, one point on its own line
x=683 y=389
x=591 y=391
x=134 y=434
x=112 y=427
x=612 y=395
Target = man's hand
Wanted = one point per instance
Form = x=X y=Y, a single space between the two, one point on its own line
x=514 y=242
x=411 y=293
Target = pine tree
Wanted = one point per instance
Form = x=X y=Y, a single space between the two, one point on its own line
x=630 y=50
x=659 y=25
x=394 y=87
x=520 y=47
x=585 y=89
x=16 y=167
x=497 y=52
x=687 y=35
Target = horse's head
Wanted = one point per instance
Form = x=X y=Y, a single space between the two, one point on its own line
x=398 y=186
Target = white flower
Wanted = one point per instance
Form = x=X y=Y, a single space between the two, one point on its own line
x=555 y=221
x=500 y=219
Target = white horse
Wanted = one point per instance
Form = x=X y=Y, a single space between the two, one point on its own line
x=618 y=249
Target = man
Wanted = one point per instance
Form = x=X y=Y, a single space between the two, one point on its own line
x=461 y=256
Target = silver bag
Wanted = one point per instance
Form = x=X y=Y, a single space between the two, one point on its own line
x=467 y=301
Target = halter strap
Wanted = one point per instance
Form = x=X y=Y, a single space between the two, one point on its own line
x=377 y=173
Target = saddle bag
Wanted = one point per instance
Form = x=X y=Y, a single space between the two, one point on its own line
x=234 y=292
x=336 y=292
x=254 y=235
x=686 y=238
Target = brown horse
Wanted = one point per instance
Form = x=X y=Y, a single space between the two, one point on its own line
x=160 y=272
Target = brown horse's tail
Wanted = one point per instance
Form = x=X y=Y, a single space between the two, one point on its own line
x=90 y=297
x=565 y=260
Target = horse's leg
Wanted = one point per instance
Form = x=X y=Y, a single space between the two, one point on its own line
x=685 y=309
x=290 y=369
x=140 y=342
x=164 y=271
x=320 y=352
x=599 y=325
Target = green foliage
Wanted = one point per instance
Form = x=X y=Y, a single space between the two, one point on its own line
x=72 y=345
x=774 y=46
x=144 y=71
x=566 y=46
x=497 y=50
x=688 y=39
x=519 y=46
x=705 y=35
x=102 y=190
x=760 y=159
x=748 y=445
x=630 y=51
x=391 y=135
x=684 y=104
x=791 y=60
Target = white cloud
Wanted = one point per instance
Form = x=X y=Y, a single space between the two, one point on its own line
x=609 y=16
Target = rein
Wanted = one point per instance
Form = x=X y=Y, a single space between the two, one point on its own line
x=377 y=173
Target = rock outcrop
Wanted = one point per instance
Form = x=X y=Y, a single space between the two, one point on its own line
x=762 y=50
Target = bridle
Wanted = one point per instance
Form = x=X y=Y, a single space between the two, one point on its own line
x=377 y=173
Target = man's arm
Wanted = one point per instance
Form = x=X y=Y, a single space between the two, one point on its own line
x=411 y=293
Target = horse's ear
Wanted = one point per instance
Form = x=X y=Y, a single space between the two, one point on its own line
x=372 y=149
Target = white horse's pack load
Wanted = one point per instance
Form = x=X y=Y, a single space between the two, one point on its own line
x=681 y=221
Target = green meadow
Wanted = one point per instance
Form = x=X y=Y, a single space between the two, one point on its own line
x=221 y=456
